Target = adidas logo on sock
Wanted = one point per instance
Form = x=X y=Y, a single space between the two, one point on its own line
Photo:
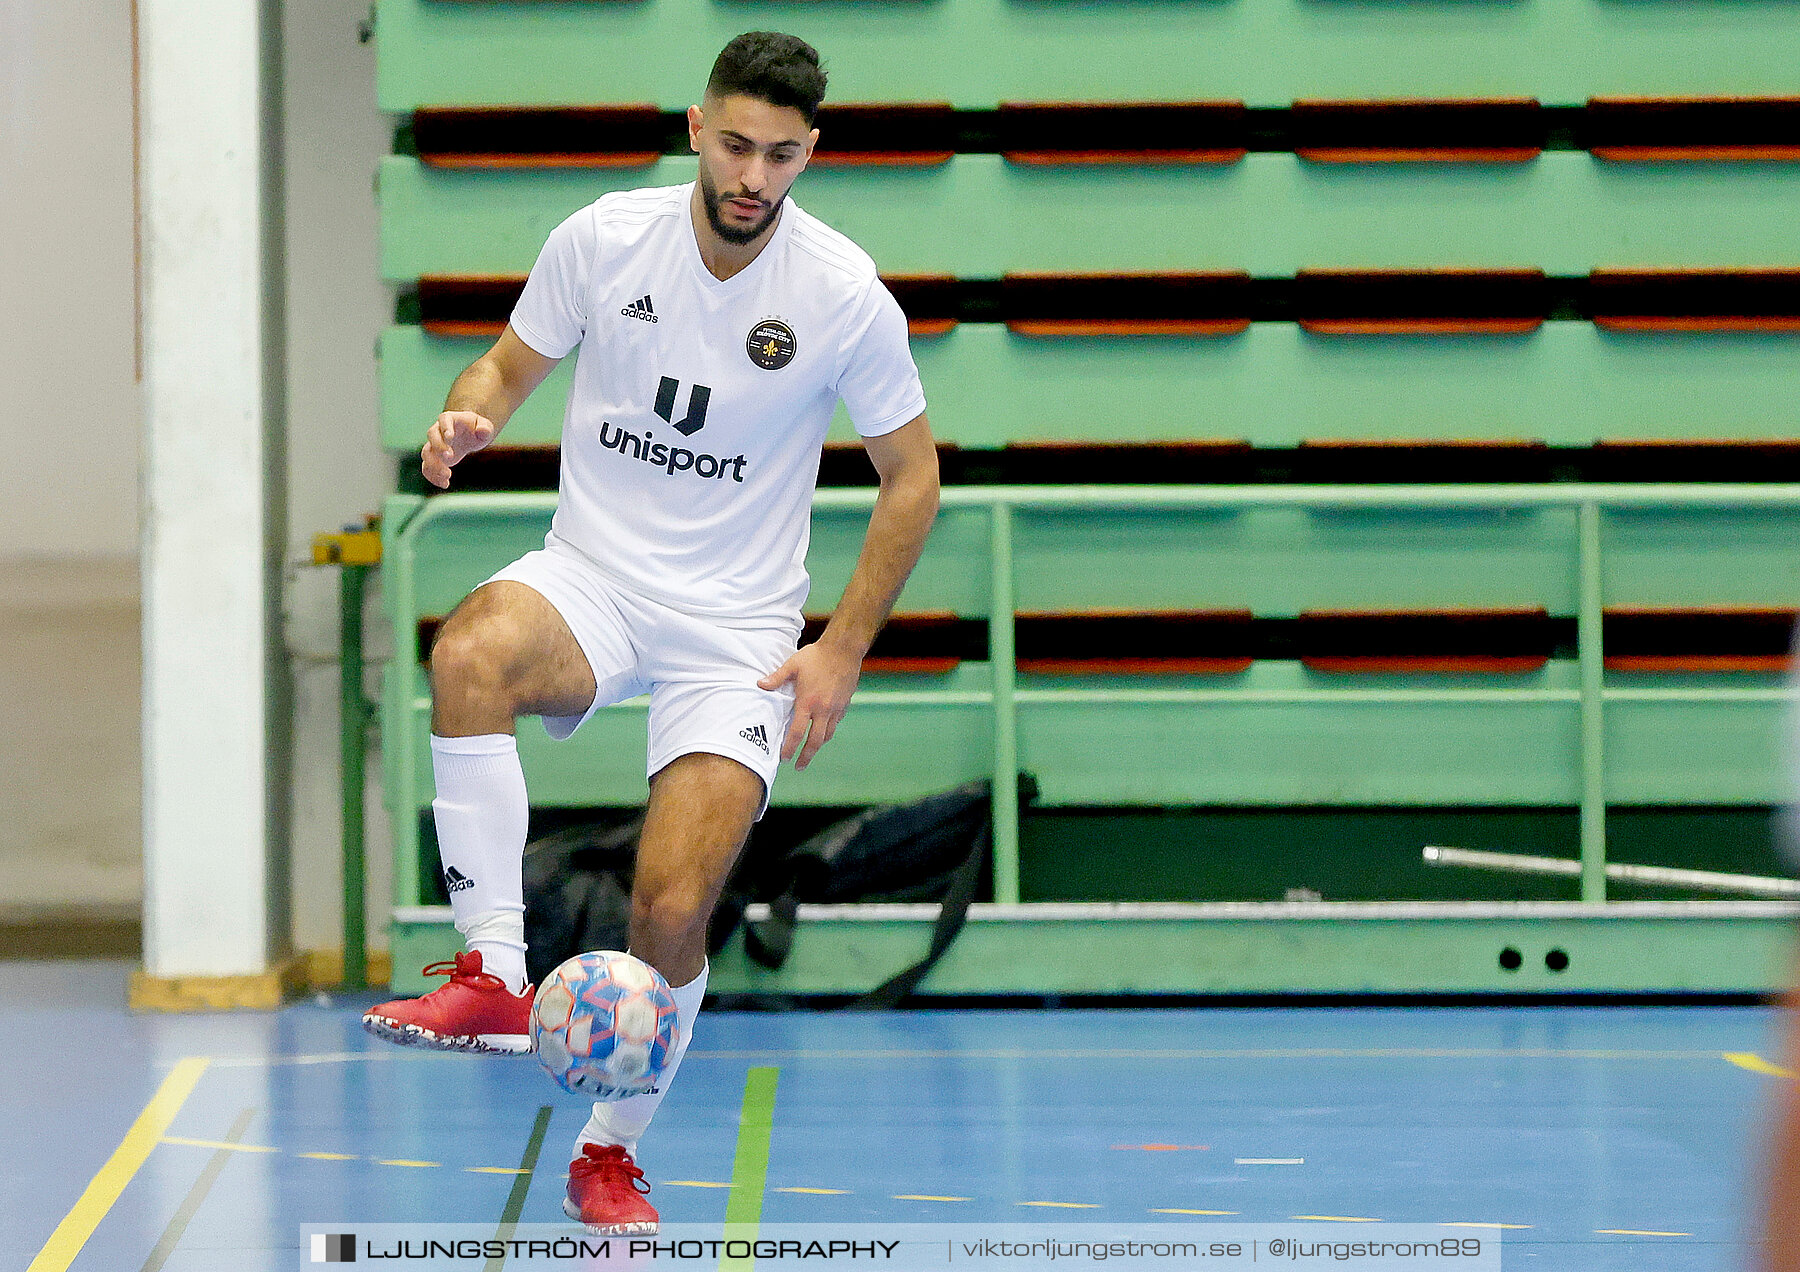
x=456 y=881
x=756 y=734
x=640 y=309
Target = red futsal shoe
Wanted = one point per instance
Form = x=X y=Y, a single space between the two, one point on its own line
x=473 y=1011
x=607 y=1193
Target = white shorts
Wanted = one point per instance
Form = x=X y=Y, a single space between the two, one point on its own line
x=701 y=676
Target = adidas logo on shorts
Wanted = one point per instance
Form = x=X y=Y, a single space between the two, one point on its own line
x=456 y=881
x=756 y=734
x=640 y=309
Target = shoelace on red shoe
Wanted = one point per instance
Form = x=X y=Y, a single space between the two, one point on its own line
x=467 y=969
x=597 y=1159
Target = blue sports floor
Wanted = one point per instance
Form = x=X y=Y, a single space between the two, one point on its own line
x=1613 y=1138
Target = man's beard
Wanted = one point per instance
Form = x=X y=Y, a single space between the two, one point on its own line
x=710 y=199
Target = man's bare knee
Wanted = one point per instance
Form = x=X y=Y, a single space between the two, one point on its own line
x=473 y=686
x=668 y=928
x=503 y=653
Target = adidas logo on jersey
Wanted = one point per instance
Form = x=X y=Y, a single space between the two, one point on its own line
x=756 y=735
x=456 y=881
x=640 y=309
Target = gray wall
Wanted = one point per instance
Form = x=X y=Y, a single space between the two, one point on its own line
x=69 y=486
x=337 y=307
x=69 y=753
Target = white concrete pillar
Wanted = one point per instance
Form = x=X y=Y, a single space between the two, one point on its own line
x=214 y=703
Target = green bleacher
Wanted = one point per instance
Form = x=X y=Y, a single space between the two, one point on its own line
x=980 y=52
x=1271 y=214
x=1280 y=734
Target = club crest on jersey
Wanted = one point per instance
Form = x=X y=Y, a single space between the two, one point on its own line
x=770 y=344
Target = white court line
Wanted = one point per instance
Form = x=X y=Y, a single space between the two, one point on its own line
x=1268 y=1161
x=1287 y=1053
x=333 y=1057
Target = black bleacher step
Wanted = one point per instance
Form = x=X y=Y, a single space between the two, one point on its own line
x=1698 y=639
x=1135 y=642
x=916 y=644
x=1038 y=133
x=545 y=136
x=1423 y=462
x=1693 y=460
x=1674 y=129
x=1197 y=642
x=895 y=133
x=1615 y=128
x=1430 y=641
x=1422 y=301
x=1211 y=303
x=1234 y=462
x=1498 y=130
x=1334 y=302
x=1207 y=461
x=1693 y=300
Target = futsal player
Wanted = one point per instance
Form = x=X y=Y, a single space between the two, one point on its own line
x=718 y=326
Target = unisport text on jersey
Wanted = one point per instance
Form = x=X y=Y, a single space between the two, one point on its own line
x=671 y=459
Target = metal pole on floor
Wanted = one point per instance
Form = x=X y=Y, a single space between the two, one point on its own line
x=355 y=552
x=353 y=723
x=1006 y=721
x=1592 y=655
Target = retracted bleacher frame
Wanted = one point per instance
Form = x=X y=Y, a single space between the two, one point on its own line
x=1277 y=735
x=1572 y=732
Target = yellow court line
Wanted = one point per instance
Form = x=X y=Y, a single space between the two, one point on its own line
x=401 y=1161
x=1163 y=1211
x=497 y=1170
x=922 y=1197
x=693 y=1183
x=1756 y=1064
x=329 y=1157
x=224 y=1144
x=1639 y=1232
x=1335 y=1218
x=1065 y=1205
x=821 y=1192
x=104 y=1189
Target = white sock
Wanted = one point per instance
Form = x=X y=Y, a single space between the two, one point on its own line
x=482 y=815
x=624 y=1121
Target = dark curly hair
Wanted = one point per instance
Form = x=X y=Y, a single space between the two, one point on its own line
x=782 y=70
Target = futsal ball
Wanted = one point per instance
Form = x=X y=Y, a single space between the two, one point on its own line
x=603 y=1025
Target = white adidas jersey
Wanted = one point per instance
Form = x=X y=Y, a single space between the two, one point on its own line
x=690 y=446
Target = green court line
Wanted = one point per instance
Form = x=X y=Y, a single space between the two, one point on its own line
x=515 y=1200
x=190 y=1204
x=750 y=1168
x=104 y=1189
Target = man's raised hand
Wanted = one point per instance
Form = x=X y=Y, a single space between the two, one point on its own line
x=456 y=434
